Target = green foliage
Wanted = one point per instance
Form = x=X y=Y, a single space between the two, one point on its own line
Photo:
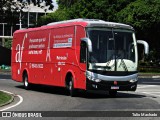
x=59 y=15
x=88 y=9
x=151 y=63
x=5 y=8
x=70 y=9
x=67 y=3
x=9 y=9
x=143 y=15
x=153 y=55
x=8 y=43
x=149 y=69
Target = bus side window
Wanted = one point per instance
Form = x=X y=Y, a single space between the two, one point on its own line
x=83 y=52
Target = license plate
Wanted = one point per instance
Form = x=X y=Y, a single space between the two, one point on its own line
x=114 y=87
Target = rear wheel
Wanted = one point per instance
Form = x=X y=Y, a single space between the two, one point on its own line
x=25 y=82
x=71 y=88
x=113 y=93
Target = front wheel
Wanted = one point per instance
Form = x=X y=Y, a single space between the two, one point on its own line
x=72 y=90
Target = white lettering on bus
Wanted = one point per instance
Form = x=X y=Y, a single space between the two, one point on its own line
x=48 y=55
x=36 y=65
x=63 y=36
x=37 y=43
x=61 y=58
x=37 y=40
x=37 y=46
x=61 y=63
x=63 y=41
x=19 y=54
x=35 y=52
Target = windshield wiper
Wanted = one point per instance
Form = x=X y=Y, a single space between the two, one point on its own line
x=124 y=65
x=104 y=67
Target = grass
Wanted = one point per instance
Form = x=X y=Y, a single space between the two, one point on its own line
x=4 y=98
x=4 y=70
x=158 y=73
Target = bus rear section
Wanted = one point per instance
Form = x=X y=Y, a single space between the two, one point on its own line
x=84 y=54
x=49 y=55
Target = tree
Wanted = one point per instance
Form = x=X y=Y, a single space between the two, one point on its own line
x=71 y=9
x=10 y=13
x=67 y=3
x=5 y=6
x=8 y=43
x=58 y=15
x=102 y=9
x=144 y=16
x=8 y=7
x=39 y=3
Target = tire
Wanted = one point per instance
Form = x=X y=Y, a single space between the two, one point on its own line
x=112 y=93
x=25 y=82
x=71 y=88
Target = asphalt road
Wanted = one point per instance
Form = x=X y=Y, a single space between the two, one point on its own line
x=45 y=98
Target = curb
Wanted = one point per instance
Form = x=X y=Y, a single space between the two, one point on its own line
x=8 y=102
x=149 y=75
x=5 y=72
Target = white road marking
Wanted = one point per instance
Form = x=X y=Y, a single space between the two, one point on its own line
x=20 y=101
x=146 y=86
x=155 y=92
x=7 y=92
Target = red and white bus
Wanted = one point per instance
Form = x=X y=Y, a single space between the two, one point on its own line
x=85 y=54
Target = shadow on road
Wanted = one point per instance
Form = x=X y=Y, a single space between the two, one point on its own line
x=149 y=81
x=80 y=93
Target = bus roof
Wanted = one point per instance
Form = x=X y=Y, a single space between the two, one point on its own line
x=82 y=22
x=93 y=22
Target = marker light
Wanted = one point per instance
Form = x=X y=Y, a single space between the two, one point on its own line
x=93 y=79
x=133 y=80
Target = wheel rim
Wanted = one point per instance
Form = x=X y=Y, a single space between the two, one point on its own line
x=70 y=85
x=26 y=82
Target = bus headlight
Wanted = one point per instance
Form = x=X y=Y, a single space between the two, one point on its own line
x=133 y=80
x=93 y=79
x=97 y=80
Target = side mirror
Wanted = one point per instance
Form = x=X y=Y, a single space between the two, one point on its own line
x=88 y=42
x=146 y=46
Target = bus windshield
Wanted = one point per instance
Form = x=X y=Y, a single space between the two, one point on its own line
x=112 y=49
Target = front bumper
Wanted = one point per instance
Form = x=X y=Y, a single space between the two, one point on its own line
x=109 y=85
x=105 y=82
